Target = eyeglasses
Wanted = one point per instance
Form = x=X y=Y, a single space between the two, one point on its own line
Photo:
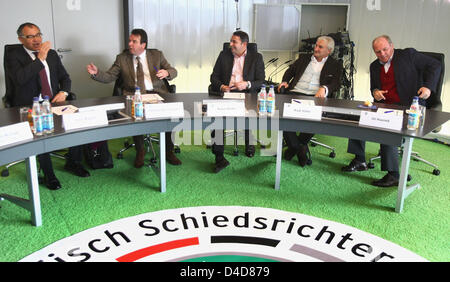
x=37 y=35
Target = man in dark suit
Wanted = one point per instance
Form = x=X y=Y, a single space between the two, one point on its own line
x=36 y=70
x=318 y=75
x=146 y=68
x=395 y=78
x=236 y=69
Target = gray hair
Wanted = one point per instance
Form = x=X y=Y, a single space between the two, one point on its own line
x=329 y=40
x=386 y=37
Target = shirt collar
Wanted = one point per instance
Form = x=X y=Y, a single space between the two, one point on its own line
x=315 y=60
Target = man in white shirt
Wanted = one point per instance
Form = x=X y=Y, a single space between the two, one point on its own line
x=317 y=75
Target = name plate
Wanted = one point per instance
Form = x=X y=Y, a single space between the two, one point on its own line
x=15 y=133
x=85 y=120
x=302 y=111
x=164 y=111
x=226 y=109
x=388 y=119
x=106 y=107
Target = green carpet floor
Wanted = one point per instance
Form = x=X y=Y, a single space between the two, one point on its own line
x=320 y=190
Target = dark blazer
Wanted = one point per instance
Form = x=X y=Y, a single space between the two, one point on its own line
x=24 y=75
x=412 y=70
x=124 y=67
x=253 y=70
x=330 y=75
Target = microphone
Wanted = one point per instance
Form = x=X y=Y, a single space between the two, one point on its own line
x=271 y=61
x=274 y=72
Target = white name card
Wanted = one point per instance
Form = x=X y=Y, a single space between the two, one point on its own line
x=226 y=109
x=302 y=111
x=380 y=119
x=15 y=133
x=85 y=120
x=106 y=107
x=164 y=111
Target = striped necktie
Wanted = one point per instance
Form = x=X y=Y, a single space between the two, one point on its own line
x=140 y=75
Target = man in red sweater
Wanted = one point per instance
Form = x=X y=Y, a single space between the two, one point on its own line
x=395 y=78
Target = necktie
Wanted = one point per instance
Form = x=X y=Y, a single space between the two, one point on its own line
x=45 y=86
x=140 y=75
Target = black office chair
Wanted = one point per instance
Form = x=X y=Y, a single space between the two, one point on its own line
x=433 y=103
x=7 y=101
x=149 y=138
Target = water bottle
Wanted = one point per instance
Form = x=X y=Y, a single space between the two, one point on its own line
x=262 y=96
x=36 y=115
x=138 y=105
x=413 y=116
x=49 y=126
x=270 y=101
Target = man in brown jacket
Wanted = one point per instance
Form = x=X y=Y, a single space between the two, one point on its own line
x=145 y=68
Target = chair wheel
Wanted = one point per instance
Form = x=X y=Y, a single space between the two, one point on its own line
x=409 y=177
x=235 y=153
x=309 y=162
x=120 y=156
x=208 y=146
x=153 y=161
x=177 y=150
x=313 y=144
x=332 y=155
x=436 y=172
x=5 y=173
x=371 y=165
x=126 y=144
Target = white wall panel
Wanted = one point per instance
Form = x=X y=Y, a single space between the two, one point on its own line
x=191 y=33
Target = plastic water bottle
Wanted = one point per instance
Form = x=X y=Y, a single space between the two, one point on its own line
x=262 y=96
x=413 y=116
x=270 y=101
x=49 y=126
x=138 y=105
x=36 y=115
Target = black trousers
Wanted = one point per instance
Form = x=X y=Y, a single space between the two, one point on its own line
x=75 y=155
x=388 y=154
x=294 y=142
x=139 y=142
x=218 y=141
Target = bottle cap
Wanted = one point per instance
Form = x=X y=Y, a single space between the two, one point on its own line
x=36 y=99
x=46 y=97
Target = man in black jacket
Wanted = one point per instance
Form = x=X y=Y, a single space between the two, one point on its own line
x=236 y=69
x=37 y=71
x=396 y=76
x=318 y=75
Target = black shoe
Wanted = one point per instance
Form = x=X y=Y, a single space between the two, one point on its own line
x=250 y=151
x=355 y=165
x=52 y=183
x=221 y=164
x=387 y=181
x=76 y=169
x=172 y=159
x=289 y=154
x=302 y=155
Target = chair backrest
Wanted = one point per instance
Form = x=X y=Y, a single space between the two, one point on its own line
x=9 y=85
x=250 y=46
x=434 y=102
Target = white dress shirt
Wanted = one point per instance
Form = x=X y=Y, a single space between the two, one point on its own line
x=47 y=70
x=147 y=77
x=309 y=83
